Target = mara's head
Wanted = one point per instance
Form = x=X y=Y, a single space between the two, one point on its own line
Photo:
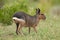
x=42 y=16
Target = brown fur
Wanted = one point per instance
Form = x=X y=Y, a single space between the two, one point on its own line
x=30 y=21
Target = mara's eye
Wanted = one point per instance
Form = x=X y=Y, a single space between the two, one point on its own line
x=42 y=14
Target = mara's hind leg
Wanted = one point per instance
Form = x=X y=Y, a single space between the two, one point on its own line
x=17 y=24
x=20 y=29
x=21 y=24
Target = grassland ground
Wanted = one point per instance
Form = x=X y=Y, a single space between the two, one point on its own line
x=47 y=30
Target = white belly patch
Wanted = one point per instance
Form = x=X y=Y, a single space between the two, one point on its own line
x=17 y=19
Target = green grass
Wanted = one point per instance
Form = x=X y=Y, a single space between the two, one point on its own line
x=47 y=30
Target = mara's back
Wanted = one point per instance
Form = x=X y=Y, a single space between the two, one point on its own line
x=19 y=15
x=30 y=20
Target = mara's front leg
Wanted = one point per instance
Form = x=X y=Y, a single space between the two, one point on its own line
x=34 y=27
x=29 y=30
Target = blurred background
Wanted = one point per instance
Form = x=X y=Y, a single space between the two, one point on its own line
x=47 y=30
x=9 y=7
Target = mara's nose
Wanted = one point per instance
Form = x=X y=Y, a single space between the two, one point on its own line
x=44 y=18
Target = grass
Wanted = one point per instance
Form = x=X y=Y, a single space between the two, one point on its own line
x=47 y=30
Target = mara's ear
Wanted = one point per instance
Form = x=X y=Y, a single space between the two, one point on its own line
x=38 y=10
